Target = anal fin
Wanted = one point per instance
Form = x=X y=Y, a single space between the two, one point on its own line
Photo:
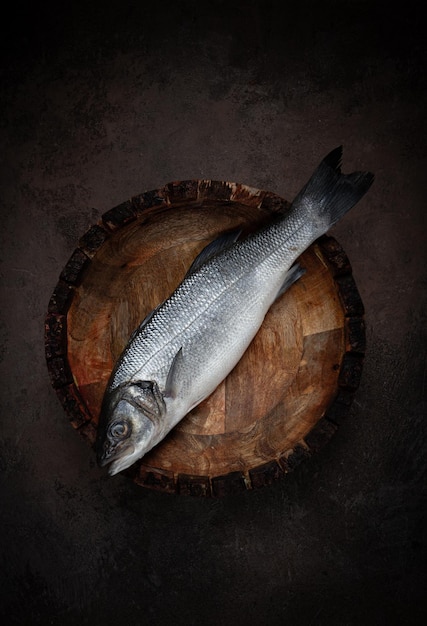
x=291 y=277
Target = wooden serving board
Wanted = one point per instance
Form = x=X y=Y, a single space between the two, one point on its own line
x=286 y=396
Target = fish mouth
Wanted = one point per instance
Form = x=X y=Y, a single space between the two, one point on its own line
x=117 y=459
x=129 y=456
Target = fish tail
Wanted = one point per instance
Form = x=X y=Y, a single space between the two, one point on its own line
x=329 y=193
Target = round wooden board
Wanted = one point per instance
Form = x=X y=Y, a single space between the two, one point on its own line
x=285 y=397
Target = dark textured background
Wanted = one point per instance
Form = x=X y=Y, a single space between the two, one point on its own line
x=101 y=101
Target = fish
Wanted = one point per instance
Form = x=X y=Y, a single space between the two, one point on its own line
x=189 y=343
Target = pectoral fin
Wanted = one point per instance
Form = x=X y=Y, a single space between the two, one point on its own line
x=174 y=375
x=291 y=277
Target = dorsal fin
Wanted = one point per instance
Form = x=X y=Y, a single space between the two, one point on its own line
x=223 y=242
x=144 y=322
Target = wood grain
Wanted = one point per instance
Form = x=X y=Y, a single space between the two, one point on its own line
x=285 y=397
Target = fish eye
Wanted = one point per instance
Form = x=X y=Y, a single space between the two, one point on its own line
x=118 y=430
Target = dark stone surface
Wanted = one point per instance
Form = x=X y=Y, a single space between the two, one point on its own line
x=103 y=101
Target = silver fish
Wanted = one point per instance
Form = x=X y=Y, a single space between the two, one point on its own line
x=184 y=348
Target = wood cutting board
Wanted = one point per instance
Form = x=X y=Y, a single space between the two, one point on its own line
x=287 y=395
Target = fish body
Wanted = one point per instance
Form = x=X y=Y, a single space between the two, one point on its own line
x=183 y=350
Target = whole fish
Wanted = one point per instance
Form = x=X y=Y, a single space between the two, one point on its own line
x=184 y=348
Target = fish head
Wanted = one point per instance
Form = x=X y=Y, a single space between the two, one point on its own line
x=130 y=419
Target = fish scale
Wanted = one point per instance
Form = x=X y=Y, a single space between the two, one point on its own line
x=189 y=344
x=235 y=276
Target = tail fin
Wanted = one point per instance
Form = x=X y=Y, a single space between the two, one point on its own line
x=330 y=194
